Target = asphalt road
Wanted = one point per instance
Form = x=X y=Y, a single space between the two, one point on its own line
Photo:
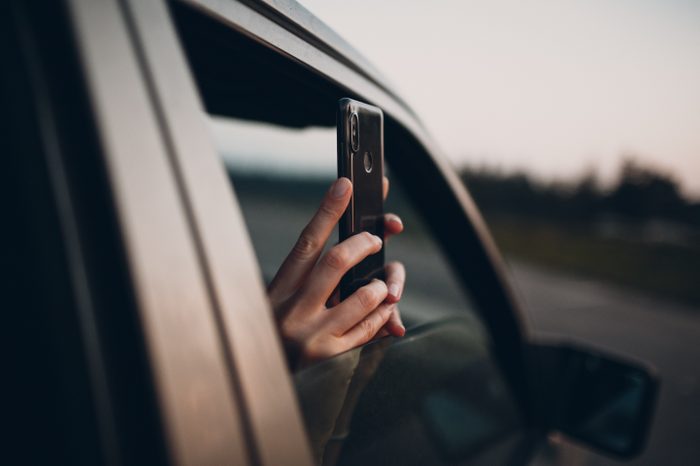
x=665 y=334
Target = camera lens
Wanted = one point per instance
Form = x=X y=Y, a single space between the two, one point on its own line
x=368 y=162
x=354 y=132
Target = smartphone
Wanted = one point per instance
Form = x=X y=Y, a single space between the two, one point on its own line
x=361 y=159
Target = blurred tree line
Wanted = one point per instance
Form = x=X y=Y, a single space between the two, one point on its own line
x=640 y=193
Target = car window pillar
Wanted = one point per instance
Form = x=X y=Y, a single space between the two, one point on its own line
x=252 y=349
x=198 y=405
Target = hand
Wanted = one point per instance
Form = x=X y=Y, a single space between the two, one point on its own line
x=306 y=282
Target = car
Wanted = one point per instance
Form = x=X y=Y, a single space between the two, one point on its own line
x=161 y=158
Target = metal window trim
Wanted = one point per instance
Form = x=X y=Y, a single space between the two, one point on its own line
x=192 y=381
x=274 y=423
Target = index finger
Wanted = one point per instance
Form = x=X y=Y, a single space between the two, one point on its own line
x=312 y=239
x=385 y=187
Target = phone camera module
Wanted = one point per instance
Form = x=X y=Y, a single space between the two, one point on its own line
x=368 y=162
x=354 y=132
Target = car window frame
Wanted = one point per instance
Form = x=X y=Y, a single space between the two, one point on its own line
x=288 y=33
x=218 y=234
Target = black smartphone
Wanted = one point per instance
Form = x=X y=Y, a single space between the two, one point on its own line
x=361 y=159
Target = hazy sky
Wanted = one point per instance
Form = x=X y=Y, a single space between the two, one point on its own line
x=554 y=87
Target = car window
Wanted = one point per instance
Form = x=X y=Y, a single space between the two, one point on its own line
x=435 y=396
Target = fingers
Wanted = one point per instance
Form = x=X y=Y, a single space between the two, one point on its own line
x=392 y=225
x=395 y=280
x=310 y=244
x=394 y=326
x=392 y=222
x=368 y=327
x=347 y=314
x=326 y=275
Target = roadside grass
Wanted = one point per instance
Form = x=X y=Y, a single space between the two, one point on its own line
x=669 y=271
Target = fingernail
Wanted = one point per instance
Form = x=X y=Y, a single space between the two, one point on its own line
x=340 y=187
x=397 y=219
x=394 y=290
x=377 y=240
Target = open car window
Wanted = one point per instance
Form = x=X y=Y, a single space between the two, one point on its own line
x=435 y=396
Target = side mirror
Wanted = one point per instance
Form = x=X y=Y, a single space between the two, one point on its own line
x=597 y=399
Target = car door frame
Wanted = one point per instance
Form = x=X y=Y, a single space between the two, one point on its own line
x=288 y=30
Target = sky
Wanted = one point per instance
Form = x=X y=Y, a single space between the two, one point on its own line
x=556 y=88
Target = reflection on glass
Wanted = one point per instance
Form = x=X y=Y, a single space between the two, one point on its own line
x=434 y=397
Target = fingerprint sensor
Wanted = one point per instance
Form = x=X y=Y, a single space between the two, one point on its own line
x=368 y=162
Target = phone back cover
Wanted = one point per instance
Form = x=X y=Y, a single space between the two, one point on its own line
x=366 y=210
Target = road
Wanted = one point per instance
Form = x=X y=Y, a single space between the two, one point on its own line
x=662 y=333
